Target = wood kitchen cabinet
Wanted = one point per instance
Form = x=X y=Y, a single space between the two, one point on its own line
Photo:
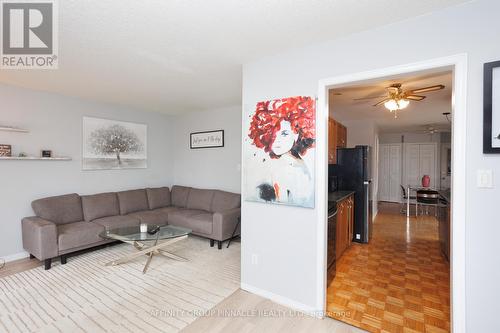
x=332 y=141
x=341 y=136
x=350 y=219
x=345 y=225
x=337 y=138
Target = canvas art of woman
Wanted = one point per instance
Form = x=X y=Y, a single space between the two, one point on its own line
x=280 y=152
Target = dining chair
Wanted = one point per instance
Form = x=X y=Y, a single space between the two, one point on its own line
x=405 y=198
x=427 y=198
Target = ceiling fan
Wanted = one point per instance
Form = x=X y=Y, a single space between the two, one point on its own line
x=398 y=99
x=433 y=129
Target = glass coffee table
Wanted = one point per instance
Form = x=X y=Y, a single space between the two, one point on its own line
x=146 y=242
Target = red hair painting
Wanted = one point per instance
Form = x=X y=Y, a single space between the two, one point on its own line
x=284 y=130
x=271 y=116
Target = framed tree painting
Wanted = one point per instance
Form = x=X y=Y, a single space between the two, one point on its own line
x=491 y=112
x=279 y=152
x=112 y=144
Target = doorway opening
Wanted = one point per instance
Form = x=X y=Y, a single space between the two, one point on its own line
x=387 y=272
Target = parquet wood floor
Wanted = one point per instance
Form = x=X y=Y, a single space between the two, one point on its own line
x=399 y=282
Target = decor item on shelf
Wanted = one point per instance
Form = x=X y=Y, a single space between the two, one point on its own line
x=46 y=153
x=112 y=144
x=5 y=150
x=491 y=108
x=22 y=154
x=279 y=151
x=12 y=129
x=24 y=157
x=207 y=139
x=426 y=181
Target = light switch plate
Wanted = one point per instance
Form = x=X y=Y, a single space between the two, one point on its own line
x=485 y=178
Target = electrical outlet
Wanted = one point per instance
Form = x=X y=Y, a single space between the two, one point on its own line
x=358 y=236
x=485 y=178
x=255 y=259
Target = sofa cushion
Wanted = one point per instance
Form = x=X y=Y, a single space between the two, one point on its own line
x=132 y=201
x=76 y=234
x=225 y=201
x=180 y=195
x=120 y=221
x=156 y=217
x=60 y=209
x=200 y=199
x=158 y=197
x=197 y=220
x=100 y=205
x=167 y=210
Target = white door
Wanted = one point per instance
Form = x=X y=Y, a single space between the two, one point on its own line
x=383 y=179
x=395 y=175
x=428 y=162
x=420 y=160
x=390 y=172
x=412 y=164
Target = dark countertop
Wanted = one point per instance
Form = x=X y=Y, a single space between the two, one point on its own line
x=445 y=194
x=339 y=195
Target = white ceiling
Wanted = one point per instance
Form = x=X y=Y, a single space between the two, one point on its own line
x=417 y=116
x=174 y=56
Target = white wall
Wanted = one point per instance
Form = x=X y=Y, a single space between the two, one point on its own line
x=285 y=238
x=55 y=122
x=218 y=168
x=365 y=132
x=409 y=137
x=360 y=132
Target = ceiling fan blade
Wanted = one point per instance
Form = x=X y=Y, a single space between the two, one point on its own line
x=426 y=89
x=367 y=98
x=415 y=97
x=381 y=102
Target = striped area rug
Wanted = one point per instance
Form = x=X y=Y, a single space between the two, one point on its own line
x=86 y=296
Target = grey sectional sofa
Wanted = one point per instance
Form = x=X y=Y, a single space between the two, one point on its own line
x=69 y=223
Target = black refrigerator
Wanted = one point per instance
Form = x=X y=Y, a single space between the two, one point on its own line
x=352 y=173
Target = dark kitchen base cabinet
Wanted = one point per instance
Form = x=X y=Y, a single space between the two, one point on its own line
x=444 y=229
x=331 y=257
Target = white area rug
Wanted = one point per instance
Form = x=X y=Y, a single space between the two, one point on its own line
x=86 y=296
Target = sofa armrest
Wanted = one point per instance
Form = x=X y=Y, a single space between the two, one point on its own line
x=224 y=223
x=40 y=237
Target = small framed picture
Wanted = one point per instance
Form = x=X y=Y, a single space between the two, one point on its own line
x=207 y=139
x=46 y=153
x=5 y=150
x=491 y=111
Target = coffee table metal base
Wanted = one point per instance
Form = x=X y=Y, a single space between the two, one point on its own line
x=150 y=251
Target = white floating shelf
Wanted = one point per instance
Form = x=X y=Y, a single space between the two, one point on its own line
x=32 y=158
x=13 y=129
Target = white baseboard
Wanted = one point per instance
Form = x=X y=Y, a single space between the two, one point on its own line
x=16 y=256
x=306 y=309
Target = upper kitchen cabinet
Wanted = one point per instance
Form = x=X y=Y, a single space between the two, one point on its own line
x=341 y=136
x=337 y=138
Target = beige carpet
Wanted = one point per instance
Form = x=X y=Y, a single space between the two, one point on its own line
x=86 y=296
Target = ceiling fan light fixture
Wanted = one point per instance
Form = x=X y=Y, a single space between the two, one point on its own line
x=395 y=104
